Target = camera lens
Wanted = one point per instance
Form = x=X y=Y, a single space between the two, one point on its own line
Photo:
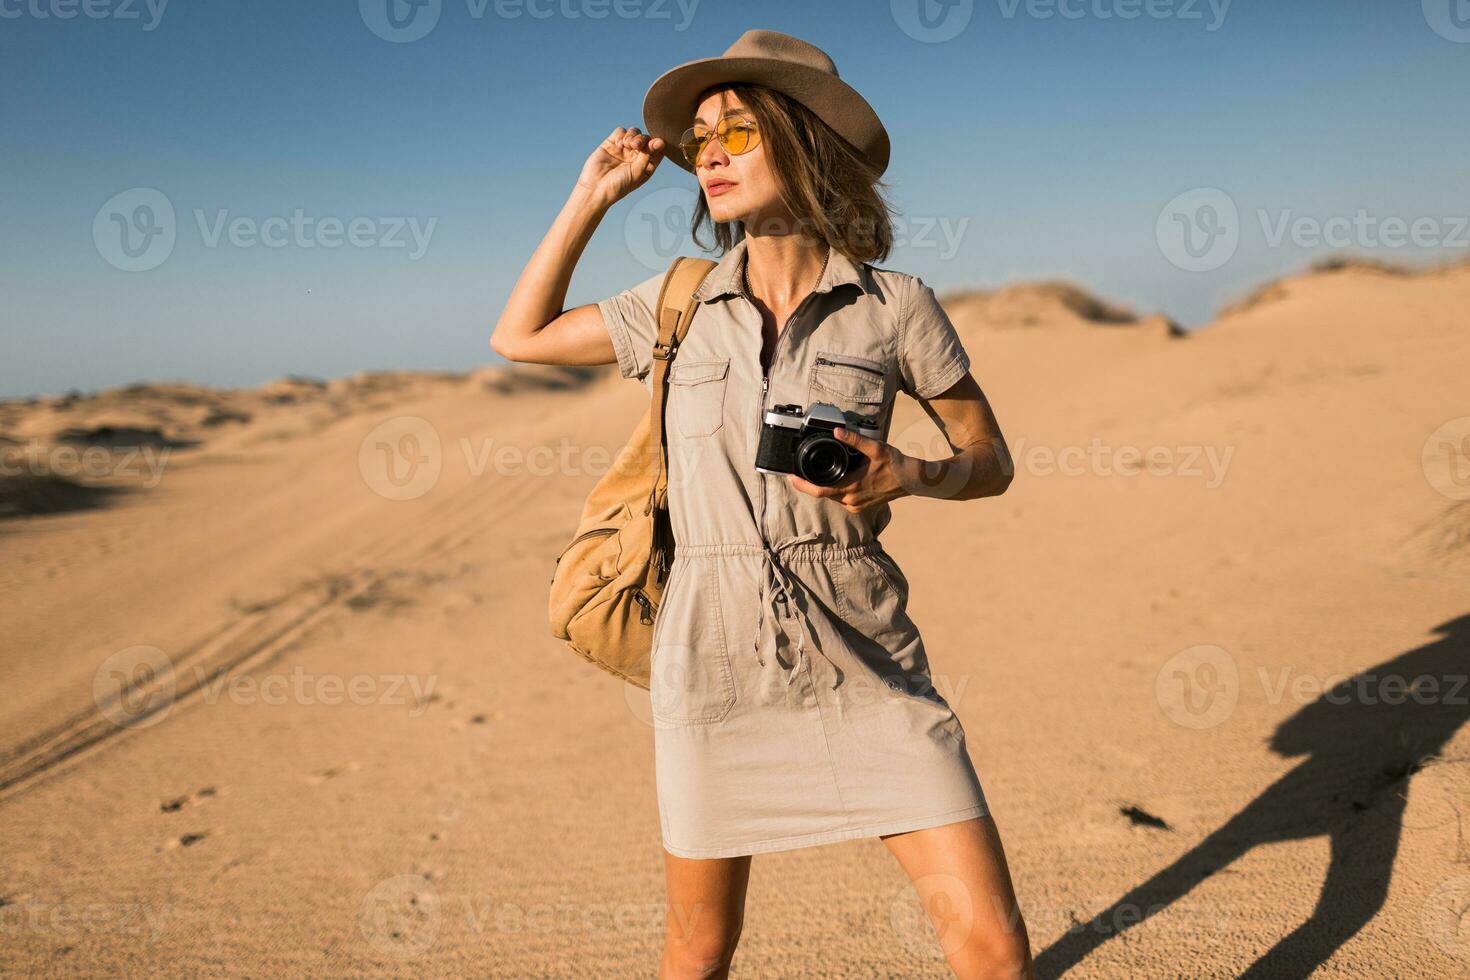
x=821 y=460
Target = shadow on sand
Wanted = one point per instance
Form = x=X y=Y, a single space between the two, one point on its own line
x=1363 y=739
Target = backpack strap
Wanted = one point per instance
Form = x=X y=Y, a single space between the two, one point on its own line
x=676 y=308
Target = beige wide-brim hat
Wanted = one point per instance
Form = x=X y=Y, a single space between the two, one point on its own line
x=778 y=61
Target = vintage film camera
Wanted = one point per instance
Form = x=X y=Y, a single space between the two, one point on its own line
x=793 y=441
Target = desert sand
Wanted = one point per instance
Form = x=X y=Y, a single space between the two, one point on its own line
x=277 y=707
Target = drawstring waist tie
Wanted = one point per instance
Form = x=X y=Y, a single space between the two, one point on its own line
x=778 y=592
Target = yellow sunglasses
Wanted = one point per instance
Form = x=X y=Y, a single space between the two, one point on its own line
x=736 y=133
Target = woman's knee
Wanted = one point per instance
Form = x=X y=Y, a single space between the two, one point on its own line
x=701 y=949
x=1003 y=954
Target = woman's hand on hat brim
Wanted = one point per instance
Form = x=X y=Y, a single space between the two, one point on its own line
x=621 y=164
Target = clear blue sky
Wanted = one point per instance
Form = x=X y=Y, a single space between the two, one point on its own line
x=1040 y=140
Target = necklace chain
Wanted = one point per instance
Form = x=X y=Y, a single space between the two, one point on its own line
x=745 y=271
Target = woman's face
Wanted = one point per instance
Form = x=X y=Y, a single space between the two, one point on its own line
x=737 y=186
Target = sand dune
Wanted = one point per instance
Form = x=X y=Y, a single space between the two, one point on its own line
x=283 y=698
x=1049 y=304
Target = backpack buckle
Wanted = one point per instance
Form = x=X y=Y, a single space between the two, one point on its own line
x=664 y=352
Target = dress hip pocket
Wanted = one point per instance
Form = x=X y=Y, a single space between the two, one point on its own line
x=691 y=681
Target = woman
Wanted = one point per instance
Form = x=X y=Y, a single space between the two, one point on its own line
x=791 y=692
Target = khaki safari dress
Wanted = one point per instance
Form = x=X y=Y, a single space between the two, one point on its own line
x=791 y=695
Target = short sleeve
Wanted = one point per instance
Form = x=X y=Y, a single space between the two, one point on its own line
x=631 y=324
x=931 y=357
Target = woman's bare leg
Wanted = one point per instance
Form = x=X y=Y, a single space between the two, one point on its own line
x=705 y=910
x=959 y=871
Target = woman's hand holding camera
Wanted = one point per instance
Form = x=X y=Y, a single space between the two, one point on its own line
x=621 y=164
x=875 y=481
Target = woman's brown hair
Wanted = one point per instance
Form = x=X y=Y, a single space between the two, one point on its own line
x=826 y=183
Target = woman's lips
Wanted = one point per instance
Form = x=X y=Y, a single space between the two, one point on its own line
x=718 y=187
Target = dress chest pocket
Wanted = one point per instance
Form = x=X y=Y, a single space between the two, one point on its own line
x=697 y=395
x=849 y=381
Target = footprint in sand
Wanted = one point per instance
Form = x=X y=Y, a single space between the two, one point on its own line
x=478 y=718
x=327 y=775
x=188 y=799
x=187 y=840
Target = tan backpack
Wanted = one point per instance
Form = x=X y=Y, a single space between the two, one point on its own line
x=609 y=581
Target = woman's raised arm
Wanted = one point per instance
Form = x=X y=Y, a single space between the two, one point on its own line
x=533 y=326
